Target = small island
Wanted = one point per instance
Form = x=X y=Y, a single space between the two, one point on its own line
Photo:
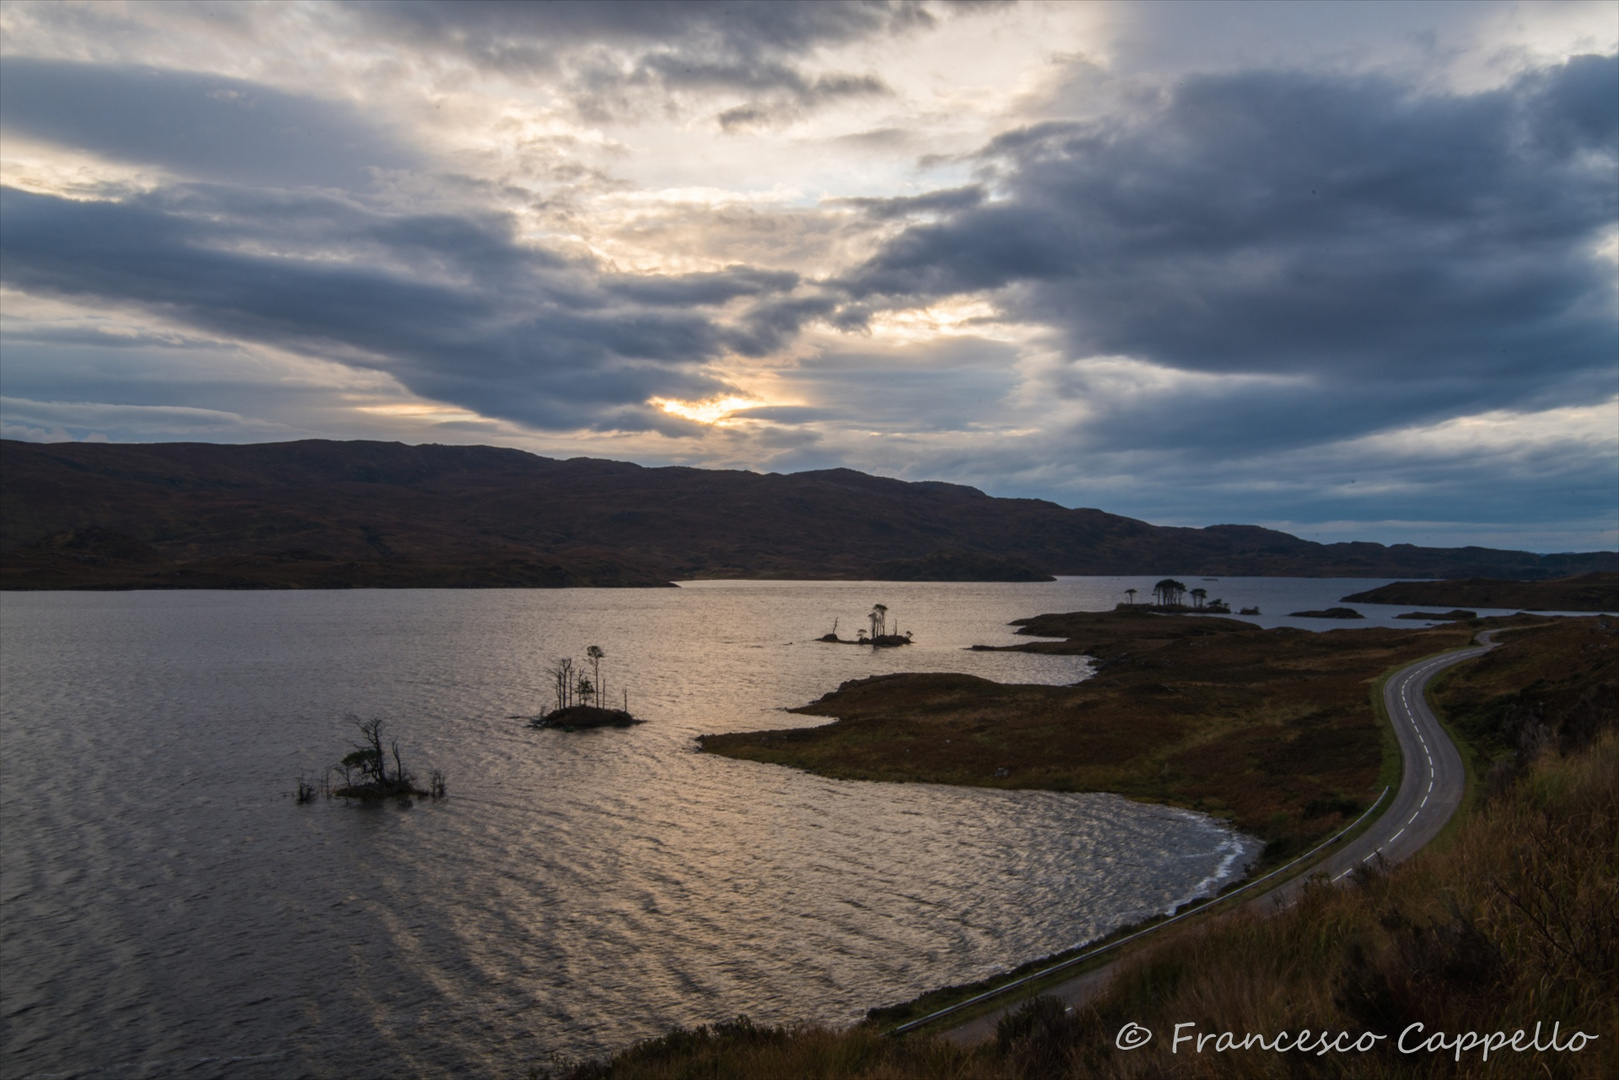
x=365 y=774
x=881 y=637
x=1327 y=613
x=580 y=697
x=1169 y=598
x=581 y=717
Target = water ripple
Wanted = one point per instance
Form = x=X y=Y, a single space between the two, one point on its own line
x=170 y=911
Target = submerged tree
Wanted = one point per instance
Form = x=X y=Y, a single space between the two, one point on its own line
x=365 y=767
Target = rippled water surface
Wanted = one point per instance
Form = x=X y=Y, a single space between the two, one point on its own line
x=168 y=909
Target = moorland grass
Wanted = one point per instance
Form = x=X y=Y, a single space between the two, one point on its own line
x=1516 y=921
x=1275 y=730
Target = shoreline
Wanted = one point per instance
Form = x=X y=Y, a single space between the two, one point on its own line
x=1272 y=731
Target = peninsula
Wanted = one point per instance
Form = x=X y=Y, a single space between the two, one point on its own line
x=1598 y=591
x=1275 y=730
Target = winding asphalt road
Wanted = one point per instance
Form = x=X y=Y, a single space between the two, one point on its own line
x=1431 y=787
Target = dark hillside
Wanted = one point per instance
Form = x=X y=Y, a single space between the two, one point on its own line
x=1581 y=592
x=320 y=513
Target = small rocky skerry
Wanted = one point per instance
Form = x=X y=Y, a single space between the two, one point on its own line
x=583 y=717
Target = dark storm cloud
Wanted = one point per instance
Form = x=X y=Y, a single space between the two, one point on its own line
x=454 y=308
x=200 y=126
x=1410 y=256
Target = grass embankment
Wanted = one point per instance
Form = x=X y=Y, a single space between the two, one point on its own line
x=1516 y=922
x=1274 y=730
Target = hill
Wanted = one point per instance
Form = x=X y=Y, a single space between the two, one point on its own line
x=1582 y=592
x=336 y=514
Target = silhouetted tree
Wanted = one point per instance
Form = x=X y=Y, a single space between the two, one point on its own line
x=370 y=760
x=1131 y=593
x=562 y=675
x=879 y=621
x=1168 y=592
x=1198 y=596
x=367 y=755
x=595 y=655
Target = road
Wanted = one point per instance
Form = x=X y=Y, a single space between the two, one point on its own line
x=1432 y=783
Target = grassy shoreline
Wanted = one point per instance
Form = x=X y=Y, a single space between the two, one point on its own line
x=1515 y=921
x=1279 y=732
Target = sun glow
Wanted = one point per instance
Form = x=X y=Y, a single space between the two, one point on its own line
x=433 y=414
x=947 y=318
x=712 y=411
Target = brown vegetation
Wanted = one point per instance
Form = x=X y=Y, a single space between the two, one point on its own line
x=1274 y=729
x=1583 y=592
x=1514 y=923
x=1551 y=685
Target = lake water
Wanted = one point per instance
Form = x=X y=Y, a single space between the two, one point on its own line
x=169 y=910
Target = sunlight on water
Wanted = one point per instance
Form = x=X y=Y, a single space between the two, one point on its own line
x=169 y=908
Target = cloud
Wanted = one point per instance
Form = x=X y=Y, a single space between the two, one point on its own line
x=611 y=56
x=1191 y=265
x=934 y=202
x=131 y=420
x=454 y=308
x=202 y=127
x=701 y=290
x=1359 y=254
x=524 y=35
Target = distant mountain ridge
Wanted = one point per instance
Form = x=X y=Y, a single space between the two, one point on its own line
x=320 y=513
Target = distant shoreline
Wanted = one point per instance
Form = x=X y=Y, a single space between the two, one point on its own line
x=1595 y=592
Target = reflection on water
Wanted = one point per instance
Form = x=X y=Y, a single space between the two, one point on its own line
x=167 y=907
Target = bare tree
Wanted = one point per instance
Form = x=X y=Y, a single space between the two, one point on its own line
x=562 y=675
x=367 y=755
x=369 y=758
x=595 y=654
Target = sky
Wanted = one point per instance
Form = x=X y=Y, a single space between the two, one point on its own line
x=1346 y=270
